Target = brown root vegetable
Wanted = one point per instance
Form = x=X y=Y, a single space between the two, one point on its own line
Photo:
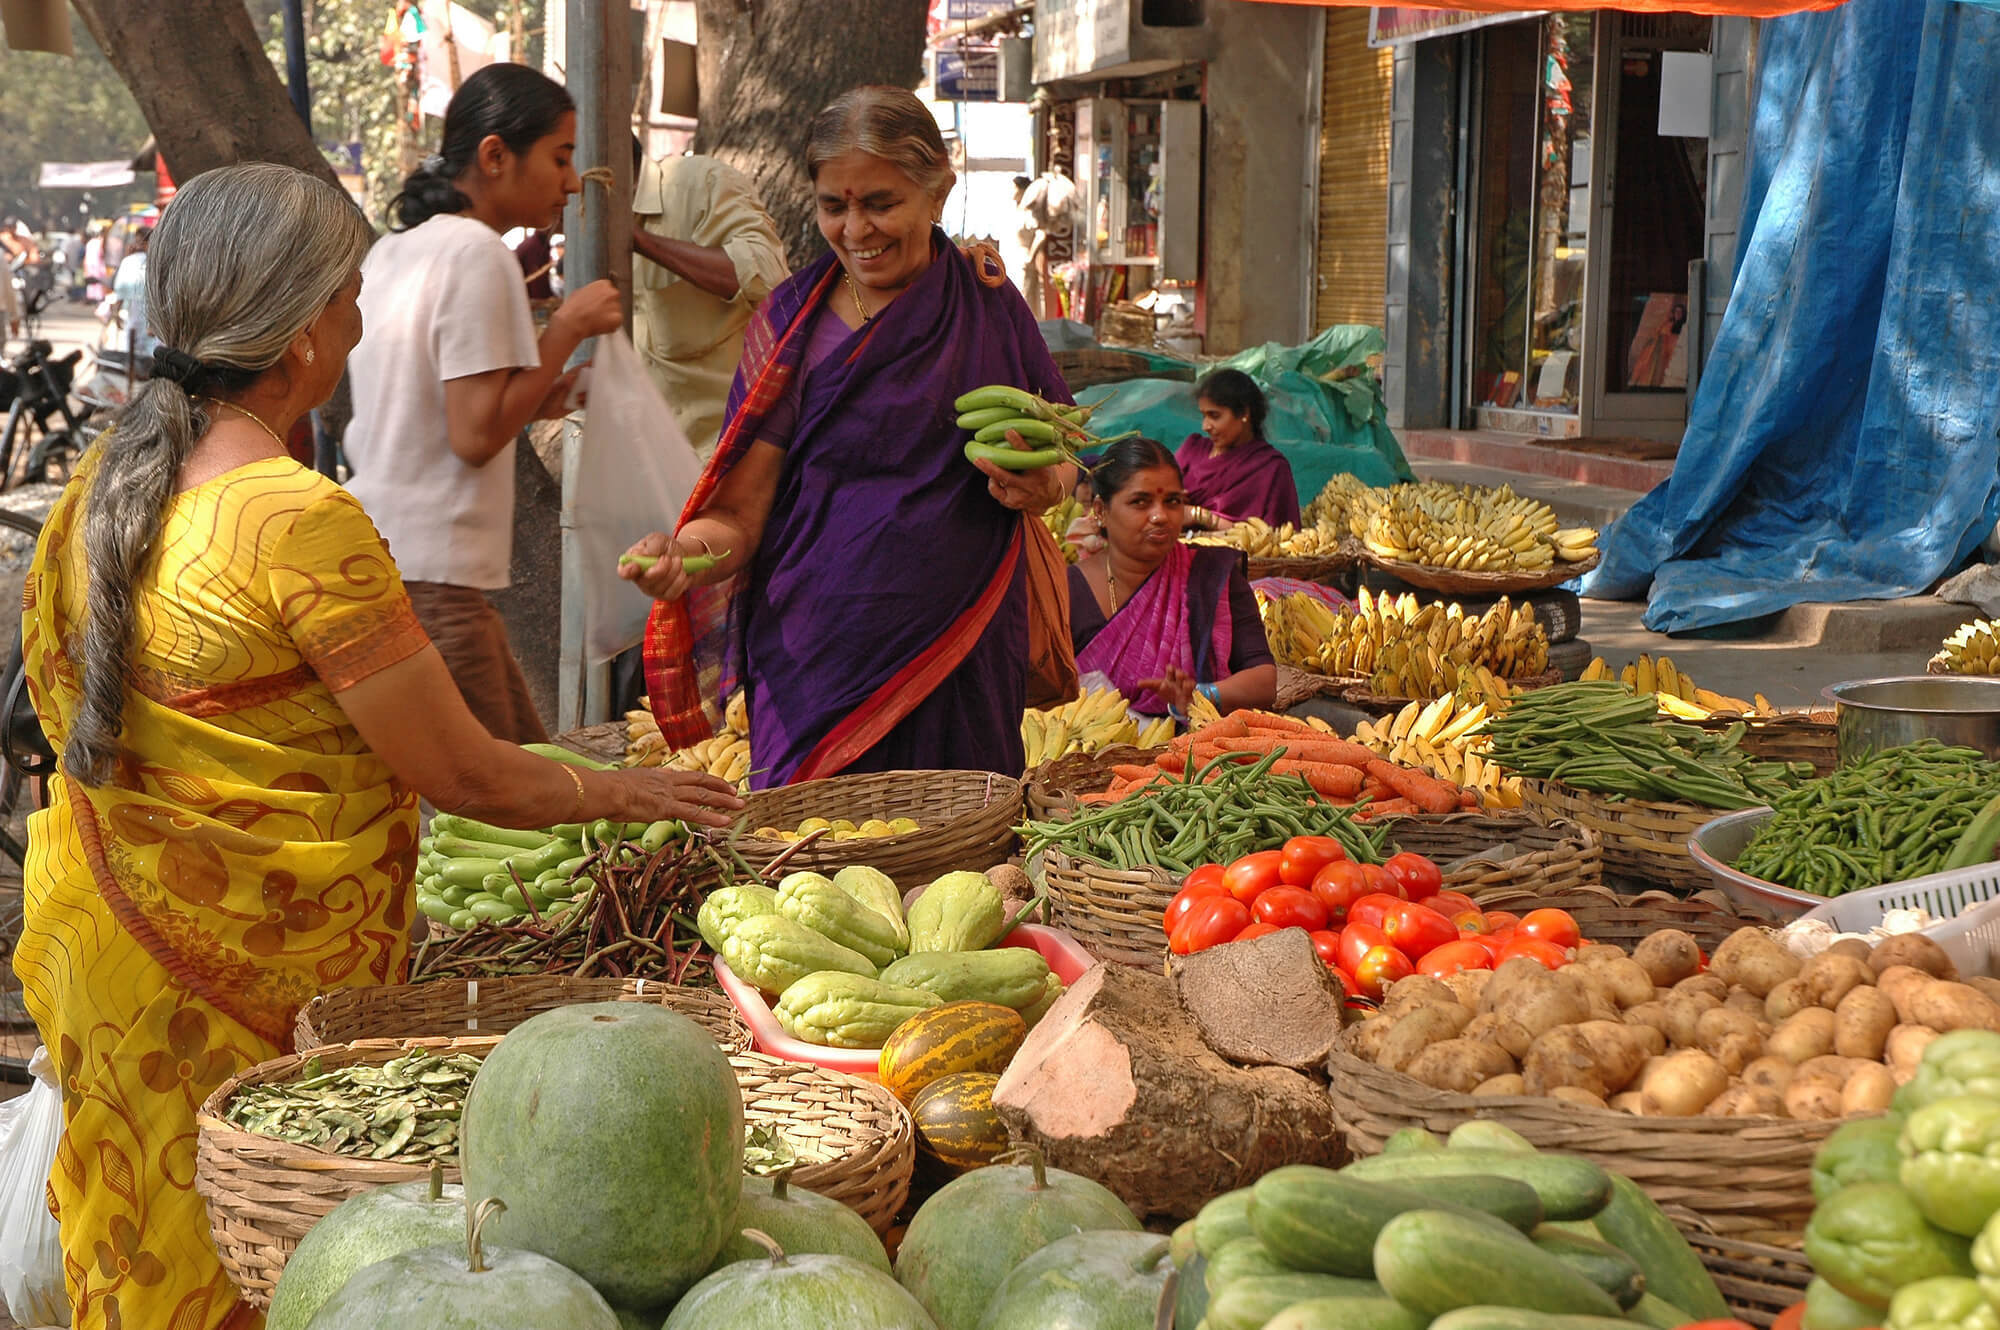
x=1770 y=1073
x=1603 y=1007
x=1745 y=1101
x=1576 y=1094
x=1812 y=1097
x=1599 y=1056
x=1648 y=1013
x=1508 y=1084
x=1861 y=1023
x=1831 y=976
x=1858 y=948
x=1901 y=983
x=1944 y=1005
x=1668 y=956
x=1914 y=950
x=1459 y=1065
x=1428 y=1024
x=1684 y=1015
x=1868 y=1090
x=1599 y=953
x=1830 y=1066
x=1416 y=991
x=1785 y=1001
x=1627 y=981
x=1631 y=1101
x=1703 y=983
x=1807 y=1035
x=1733 y=1038
x=1750 y=959
x=1989 y=987
x=1485 y=1026
x=1467 y=985
x=1742 y=999
x=1012 y=883
x=1530 y=1001
x=1904 y=1049
x=1682 y=1084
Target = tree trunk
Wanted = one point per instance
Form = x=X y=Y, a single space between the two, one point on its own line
x=766 y=68
x=201 y=78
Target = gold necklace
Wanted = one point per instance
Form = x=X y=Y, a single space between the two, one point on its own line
x=1111 y=582
x=855 y=293
x=256 y=420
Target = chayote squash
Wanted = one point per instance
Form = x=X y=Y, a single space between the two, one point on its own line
x=730 y=906
x=1860 y=1151
x=1052 y=991
x=1947 y=1303
x=774 y=953
x=813 y=900
x=958 y=912
x=874 y=889
x=1951 y=1162
x=1986 y=1259
x=841 y=1010
x=1956 y=1063
x=1014 y=977
x=1870 y=1240
x=1827 y=1308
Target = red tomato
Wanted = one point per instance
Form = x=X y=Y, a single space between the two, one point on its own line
x=1535 y=949
x=1791 y=1318
x=1304 y=856
x=1289 y=907
x=1208 y=876
x=1381 y=967
x=1453 y=957
x=1255 y=931
x=1212 y=919
x=1381 y=880
x=1248 y=877
x=1327 y=943
x=1552 y=926
x=1450 y=903
x=1732 y=1324
x=1356 y=941
x=1373 y=909
x=1420 y=877
x=1494 y=942
x=1417 y=930
x=1469 y=921
x=1497 y=920
x=1184 y=900
x=1338 y=886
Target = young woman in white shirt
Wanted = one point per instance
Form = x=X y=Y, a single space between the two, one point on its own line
x=450 y=369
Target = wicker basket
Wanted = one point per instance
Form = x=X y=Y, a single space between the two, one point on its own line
x=1113 y=912
x=865 y=1146
x=1757 y=1280
x=1792 y=736
x=1642 y=839
x=966 y=818
x=1053 y=786
x=1455 y=582
x=1604 y=916
x=1327 y=569
x=1748 y=1178
x=602 y=743
x=449 y=1007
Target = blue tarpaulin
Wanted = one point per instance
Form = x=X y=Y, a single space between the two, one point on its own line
x=1841 y=444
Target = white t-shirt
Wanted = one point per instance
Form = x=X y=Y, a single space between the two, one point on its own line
x=441 y=301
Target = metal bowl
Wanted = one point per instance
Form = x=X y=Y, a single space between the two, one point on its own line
x=1715 y=847
x=1874 y=714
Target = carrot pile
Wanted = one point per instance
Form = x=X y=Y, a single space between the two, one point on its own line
x=1343 y=773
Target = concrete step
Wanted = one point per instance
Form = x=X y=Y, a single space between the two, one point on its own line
x=1525 y=456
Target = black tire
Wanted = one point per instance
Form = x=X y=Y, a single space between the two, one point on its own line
x=1570 y=657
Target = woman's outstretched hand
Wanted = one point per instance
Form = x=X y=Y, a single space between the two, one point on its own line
x=692 y=797
x=1175 y=688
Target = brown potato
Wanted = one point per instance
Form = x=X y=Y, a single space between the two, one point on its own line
x=1831 y=1067
x=1807 y=1035
x=1990 y=987
x=1904 y=1049
x=1459 y=1065
x=1831 y=976
x=1682 y=1084
x=1628 y=1102
x=1365 y=1040
x=1914 y=950
x=1415 y=991
x=1684 y=1014
x=1648 y=1013
x=1868 y=1090
x=1944 y=1005
x=1769 y=1072
x=1599 y=1056
x=1901 y=983
x=1597 y=953
x=1861 y=1023
x=1858 y=948
x=1750 y=959
x=1467 y=985
x=1812 y=1097
x=1668 y=956
x=1745 y=1101
x=1742 y=999
x=1428 y=1024
x=1628 y=983
x=1574 y=1094
x=1703 y=983
x=1785 y=1001
x=1508 y=1084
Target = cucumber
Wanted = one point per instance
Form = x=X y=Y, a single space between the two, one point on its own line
x=469 y=872
x=1346 y=1314
x=1247 y=1304
x=1411 y=1140
x=1241 y=1259
x=566 y=757
x=1570 y=1187
x=435 y=908
x=1598 y=1261
x=1663 y=1315
x=1222 y=1220
x=1633 y=1224
x=1513 y=1318
x=1480 y=1134
x=461 y=920
x=465 y=828
x=1433 y=1262
x=1317 y=1220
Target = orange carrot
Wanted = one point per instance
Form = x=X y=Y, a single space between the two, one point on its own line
x=1232 y=726
x=1325 y=750
x=1108 y=797
x=1128 y=772
x=1327 y=778
x=1392 y=808
x=1425 y=791
x=1467 y=799
x=1270 y=720
x=1375 y=789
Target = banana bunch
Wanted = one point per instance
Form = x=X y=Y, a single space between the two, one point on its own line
x=1973 y=649
x=1476 y=528
x=1254 y=536
x=1297 y=626
x=1445 y=737
x=1675 y=692
x=1410 y=649
x=1096 y=721
x=1058 y=518
x=1312 y=541
x=726 y=755
x=1345 y=504
x=1576 y=544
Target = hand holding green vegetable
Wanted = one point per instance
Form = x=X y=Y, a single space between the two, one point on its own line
x=661 y=568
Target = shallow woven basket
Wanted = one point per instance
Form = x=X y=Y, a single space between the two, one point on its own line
x=1453 y=581
x=1748 y=1178
x=1052 y=787
x=450 y=1008
x=1791 y=736
x=1642 y=839
x=865 y=1146
x=966 y=820
x=1322 y=568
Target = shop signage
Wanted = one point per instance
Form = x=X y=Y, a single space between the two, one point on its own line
x=1395 y=25
x=1075 y=38
x=966 y=73
x=84 y=175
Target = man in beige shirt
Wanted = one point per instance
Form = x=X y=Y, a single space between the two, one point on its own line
x=704 y=254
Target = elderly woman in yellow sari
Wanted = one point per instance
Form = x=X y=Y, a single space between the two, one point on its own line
x=220 y=647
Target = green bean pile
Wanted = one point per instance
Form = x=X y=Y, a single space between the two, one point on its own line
x=1225 y=811
x=1900 y=814
x=1599 y=736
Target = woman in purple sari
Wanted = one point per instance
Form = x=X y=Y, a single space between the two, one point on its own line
x=1232 y=474
x=1161 y=619
x=870 y=586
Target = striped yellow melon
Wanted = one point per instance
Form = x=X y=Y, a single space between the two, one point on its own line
x=956 y=1036
x=955 y=1120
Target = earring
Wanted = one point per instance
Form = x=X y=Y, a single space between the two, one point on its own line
x=309 y=355
x=493 y=170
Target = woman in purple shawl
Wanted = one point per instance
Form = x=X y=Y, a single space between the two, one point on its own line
x=1161 y=619
x=1232 y=474
x=870 y=586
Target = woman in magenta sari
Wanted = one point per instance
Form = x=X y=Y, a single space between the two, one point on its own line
x=1232 y=474
x=870 y=589
x=1161 y=619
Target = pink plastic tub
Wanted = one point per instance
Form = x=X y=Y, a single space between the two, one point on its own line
x=1064 y=954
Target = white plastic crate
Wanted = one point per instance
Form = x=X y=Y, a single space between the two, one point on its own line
x=1966 y=901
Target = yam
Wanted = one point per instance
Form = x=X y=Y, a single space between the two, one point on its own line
x=1745 y=1101
x=1684 y=1014
x=1682 y=1084
x=1508 y=1084
x=1785 y=1001
x=1599 y=1056
x=1861 y=1023
x=1769 y=1072
x=1416 y=1031
x=1576 y=1094
x=1230 y=992
x=1904 y=1049
x=1868 y=1090
x=1459 y=1065
x=1750 y=959
x=1944 y=1005
x=1807 y=1035
x=1914 y=950
x=1831 y=976
x=1703 y=983
x=1668 y=956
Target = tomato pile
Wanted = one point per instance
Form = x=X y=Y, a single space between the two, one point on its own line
x=1374 y=925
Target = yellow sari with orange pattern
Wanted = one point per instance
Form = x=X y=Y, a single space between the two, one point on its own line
x=249 y=853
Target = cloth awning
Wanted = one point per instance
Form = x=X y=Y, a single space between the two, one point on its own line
x=85 y=175
x=1747 y=8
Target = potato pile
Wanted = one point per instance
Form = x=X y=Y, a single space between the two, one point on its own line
x=1758 y=1033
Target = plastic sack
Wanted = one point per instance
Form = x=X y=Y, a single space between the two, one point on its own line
x=31 y=1258
x=633 y=472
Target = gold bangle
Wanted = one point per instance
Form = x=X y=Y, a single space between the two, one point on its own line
x=576 y=813
x=706 y=548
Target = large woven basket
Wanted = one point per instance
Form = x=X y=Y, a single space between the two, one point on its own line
x=855 y=1140
x=966 y=820
x=1053 y=786
x=1602 y=915
x=1113 y=912
x=1756 y=1279
x=1642 y=839
x=1328 y=569
x=1805 y=735
x=450 y=1007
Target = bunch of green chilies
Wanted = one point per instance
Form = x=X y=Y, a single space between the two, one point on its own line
x=1219 y=813
x=1600 y=736
x=1899 y=814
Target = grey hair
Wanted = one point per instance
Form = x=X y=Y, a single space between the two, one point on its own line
x=886 y=122
x=244 y=259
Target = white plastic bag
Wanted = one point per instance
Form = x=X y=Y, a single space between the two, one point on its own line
x=31 y=1259
x=633 y=472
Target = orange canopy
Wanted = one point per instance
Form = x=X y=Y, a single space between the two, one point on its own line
x=1747 y=8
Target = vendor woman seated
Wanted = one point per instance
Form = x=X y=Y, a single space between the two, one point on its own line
x=1161 y=619
x=1232 y=474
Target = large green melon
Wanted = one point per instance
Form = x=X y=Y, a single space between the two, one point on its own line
x=434 y=1287
x=800 y=1221
x=810 y=1292
x=614 y=1132
x=362 y=1230
x=1106 y=1280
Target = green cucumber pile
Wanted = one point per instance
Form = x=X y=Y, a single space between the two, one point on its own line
x=1901 y=813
